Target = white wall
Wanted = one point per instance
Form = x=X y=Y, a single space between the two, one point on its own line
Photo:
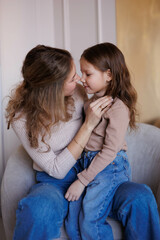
x=70 y=24
x=1 y=133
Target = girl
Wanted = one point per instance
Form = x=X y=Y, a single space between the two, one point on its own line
x=104 y=159
x=45 y=111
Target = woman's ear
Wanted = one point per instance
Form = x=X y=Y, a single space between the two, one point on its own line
x=108 y=75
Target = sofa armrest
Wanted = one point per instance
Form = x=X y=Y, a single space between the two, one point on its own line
x=16 y=182
x=158 y=198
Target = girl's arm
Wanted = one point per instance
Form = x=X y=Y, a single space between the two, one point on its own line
x=114 y=139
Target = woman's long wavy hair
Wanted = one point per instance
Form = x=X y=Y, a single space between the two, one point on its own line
x=40 y=95
x=106 y=56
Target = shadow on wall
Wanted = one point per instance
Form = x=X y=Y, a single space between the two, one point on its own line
x=155 y=122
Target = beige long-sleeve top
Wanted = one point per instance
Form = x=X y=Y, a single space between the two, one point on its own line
x=108 y=137
x=58 y=160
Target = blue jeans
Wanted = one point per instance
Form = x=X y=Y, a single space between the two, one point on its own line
x=41 y=213
x=134 y=205
x=87 y=216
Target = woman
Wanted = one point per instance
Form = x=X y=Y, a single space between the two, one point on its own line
x=45 y=111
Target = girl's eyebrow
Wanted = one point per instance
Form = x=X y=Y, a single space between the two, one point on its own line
x=84 y=70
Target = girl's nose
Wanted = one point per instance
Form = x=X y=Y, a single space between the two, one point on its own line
x=82 y=80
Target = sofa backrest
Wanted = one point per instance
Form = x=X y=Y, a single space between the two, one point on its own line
x=144 y=155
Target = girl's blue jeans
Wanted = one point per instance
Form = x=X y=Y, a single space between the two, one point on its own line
x=87 y=216
x=41 y=213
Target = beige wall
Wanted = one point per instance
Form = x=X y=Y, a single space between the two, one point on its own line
x=138 y=36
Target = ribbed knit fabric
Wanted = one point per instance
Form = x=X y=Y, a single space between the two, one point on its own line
x=58 y=160
x=108 y=137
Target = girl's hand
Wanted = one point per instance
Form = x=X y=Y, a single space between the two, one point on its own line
x=96 y=109
x=74 y=191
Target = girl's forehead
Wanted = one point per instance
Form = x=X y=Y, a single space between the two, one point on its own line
x=85 y=63
x=86 y=66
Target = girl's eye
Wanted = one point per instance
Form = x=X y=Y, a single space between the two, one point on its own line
x=88 y=74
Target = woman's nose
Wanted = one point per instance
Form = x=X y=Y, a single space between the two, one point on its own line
x=78 y=78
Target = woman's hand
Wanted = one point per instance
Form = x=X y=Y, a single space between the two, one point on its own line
x=94 y=112
x=96 y=109
x=74 y=191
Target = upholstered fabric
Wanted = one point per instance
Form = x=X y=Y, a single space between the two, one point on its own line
x=144 y=156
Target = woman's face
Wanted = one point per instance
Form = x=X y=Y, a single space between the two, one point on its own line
x=71 y=82
x=94 y=80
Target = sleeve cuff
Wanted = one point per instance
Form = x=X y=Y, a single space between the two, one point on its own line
x=68 y=161
x=82 y=179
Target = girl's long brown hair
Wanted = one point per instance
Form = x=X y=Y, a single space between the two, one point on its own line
x=40 y=95
x=106 y=56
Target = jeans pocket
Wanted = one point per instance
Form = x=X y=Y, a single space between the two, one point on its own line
x=94 y=182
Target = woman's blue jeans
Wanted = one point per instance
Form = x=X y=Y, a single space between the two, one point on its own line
x=41 y=213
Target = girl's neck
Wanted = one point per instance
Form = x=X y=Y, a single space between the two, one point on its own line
x=99 y=94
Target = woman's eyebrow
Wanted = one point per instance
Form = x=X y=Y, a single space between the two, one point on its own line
x=74 y=75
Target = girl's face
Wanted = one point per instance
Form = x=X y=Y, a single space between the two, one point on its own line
x=94 y=80
x=71 y=82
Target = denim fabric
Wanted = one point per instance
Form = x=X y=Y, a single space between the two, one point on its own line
x=87 y=216
x=135 y=206
x=41 y=213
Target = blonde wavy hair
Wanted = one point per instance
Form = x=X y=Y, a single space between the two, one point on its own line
x=40 y=95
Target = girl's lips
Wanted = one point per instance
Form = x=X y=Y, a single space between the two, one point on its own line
x=85 y=86
x=87 y=89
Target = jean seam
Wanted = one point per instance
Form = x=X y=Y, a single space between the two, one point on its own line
x=98 y=234
x=122 y=212
x=135 y=234
x=98 y=214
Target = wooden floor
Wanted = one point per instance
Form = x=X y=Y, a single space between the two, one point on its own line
x=2 y=235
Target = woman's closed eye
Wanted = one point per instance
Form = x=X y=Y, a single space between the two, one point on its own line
x=75 y=77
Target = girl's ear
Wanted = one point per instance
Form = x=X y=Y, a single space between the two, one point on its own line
x=108 y=75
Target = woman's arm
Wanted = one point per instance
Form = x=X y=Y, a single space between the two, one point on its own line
x=58 y=165
x=94 y=112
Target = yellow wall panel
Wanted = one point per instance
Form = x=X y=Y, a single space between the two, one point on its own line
x=138 y=36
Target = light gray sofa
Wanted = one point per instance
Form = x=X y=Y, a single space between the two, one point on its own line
x=144 y=156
